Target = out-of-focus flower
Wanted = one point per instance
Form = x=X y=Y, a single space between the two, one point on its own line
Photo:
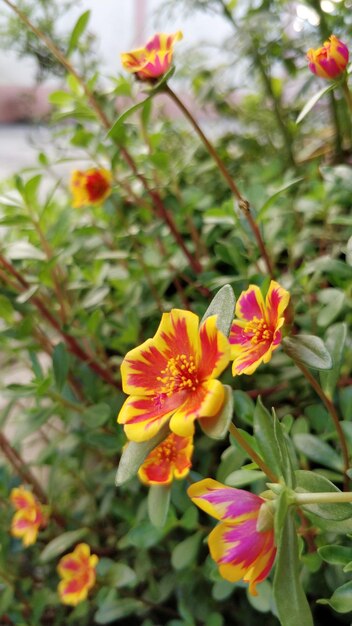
x=256 y=334
x=29 y=517
x=171 y=377
x=170 y=459
x=92 y=186
x=77 y=571
x=329 y=61
x=240 y=549
x=154 y=60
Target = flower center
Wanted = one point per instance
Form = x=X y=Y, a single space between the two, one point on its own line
x=166 y=452
x=180 y=373
x=259 y=329
x=96 y=186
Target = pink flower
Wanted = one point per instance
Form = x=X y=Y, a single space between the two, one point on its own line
x=240 y=550
x=329 y=61
x=154 y=60
x=170 y=459
x=77 y=571
x=29 y=517
x=256 y=333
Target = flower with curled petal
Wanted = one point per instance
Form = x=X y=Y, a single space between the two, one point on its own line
x=92 y=186
x=153 y=61
x=29 y=517
x=172 y=377
x=240 y=549
x=77 y=571
x=256 y=333
x=329 y=61
x=170 y=459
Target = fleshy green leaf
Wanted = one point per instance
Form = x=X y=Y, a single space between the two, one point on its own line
x=134 y=454
x=96 y=415
x=341 y=599
x=242 y=477
x=185 y=552
x=217 y=427
x=158 y=504
x=315 y=483
x=78 y=31
x=335 y=343
x=60 y=544
x=222 y=305
x=336 y=555
x=115 y=129
x=266 y=439
x=309 y=350
x=291 y=602
x=317 y=450
x=313 y=100
x=276 y=194
x=61 y=361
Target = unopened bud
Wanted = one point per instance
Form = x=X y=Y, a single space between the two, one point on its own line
x=265 y=520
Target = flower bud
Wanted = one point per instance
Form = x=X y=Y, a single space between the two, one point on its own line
x=329 y=61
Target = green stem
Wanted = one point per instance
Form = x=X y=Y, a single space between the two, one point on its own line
x=347 y=94
x=331 y=409
x=322 y=498
x=242 y=202
x=252 y=453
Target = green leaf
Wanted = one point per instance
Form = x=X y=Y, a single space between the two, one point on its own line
x=185 y=552
x=335 y=342
x=115 y=129
x=309 y=350
x=96 y=415
x=334 y=300
x=30 y=190
x=244 y=406
x=284 y=453
x=116 y=574
x=114 y=608
x=262 y=602
x=61 y=363
x=61 y=543
x=317 y=450
x=222 y=305
x=313 y=100
x=217 y=427
x=78 y=31
x=134 y=454
x=266 y=439
x=242 y=477
x=158 y=504
x=276 y=194
x=291 y=602
x=315 y=483
x=24 y=250
x=341 y=599
x=335 y=554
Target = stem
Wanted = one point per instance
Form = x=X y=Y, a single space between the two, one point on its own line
x=155 y=197
x=242 y=202
x=322 y=498
x=252 y=453
x=347 y=94
x=21 y=468
x=331 y=409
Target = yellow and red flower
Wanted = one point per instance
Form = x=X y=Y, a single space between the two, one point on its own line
x=171 y=377
x=29 y=517
x=240 y=549
x=154 y=60
x=170 y=459
x=92 y=186
x=329 y=61
x=77 y=571
x=256 y=334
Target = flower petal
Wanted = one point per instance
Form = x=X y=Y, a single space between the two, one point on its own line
x=154 y=473
x=250 y=304
x=247 y=361
x=224 y=503
x=144 y=416
x=205 y=402
x=276 y=302
x=21 y=498
x=162 y=41
x=214 y=350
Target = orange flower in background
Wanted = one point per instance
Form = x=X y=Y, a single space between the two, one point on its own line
x=92 y=186
x=77 y=571
x=171 y=377
x=256 y=333
x=329 y=61
x=170 y=459
x=240 y=549
x=29 y=517
x=154 y=60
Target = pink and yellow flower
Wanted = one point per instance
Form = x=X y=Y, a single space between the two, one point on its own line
x=240 y=550
x=329 y=61
x=256 y=333
x=29 y=517
x=77 y=571
x=154 y=60
x=170 y=459
x=92 y=186
x=171 y=377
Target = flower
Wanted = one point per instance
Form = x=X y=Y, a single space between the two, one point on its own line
x=256 y=334
x=90 y=187
x=240 y=549
x=329 y=61
x=29 y=517
x=170 y=459
x=154 y=60
x=172 y=377
x=77 y=571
